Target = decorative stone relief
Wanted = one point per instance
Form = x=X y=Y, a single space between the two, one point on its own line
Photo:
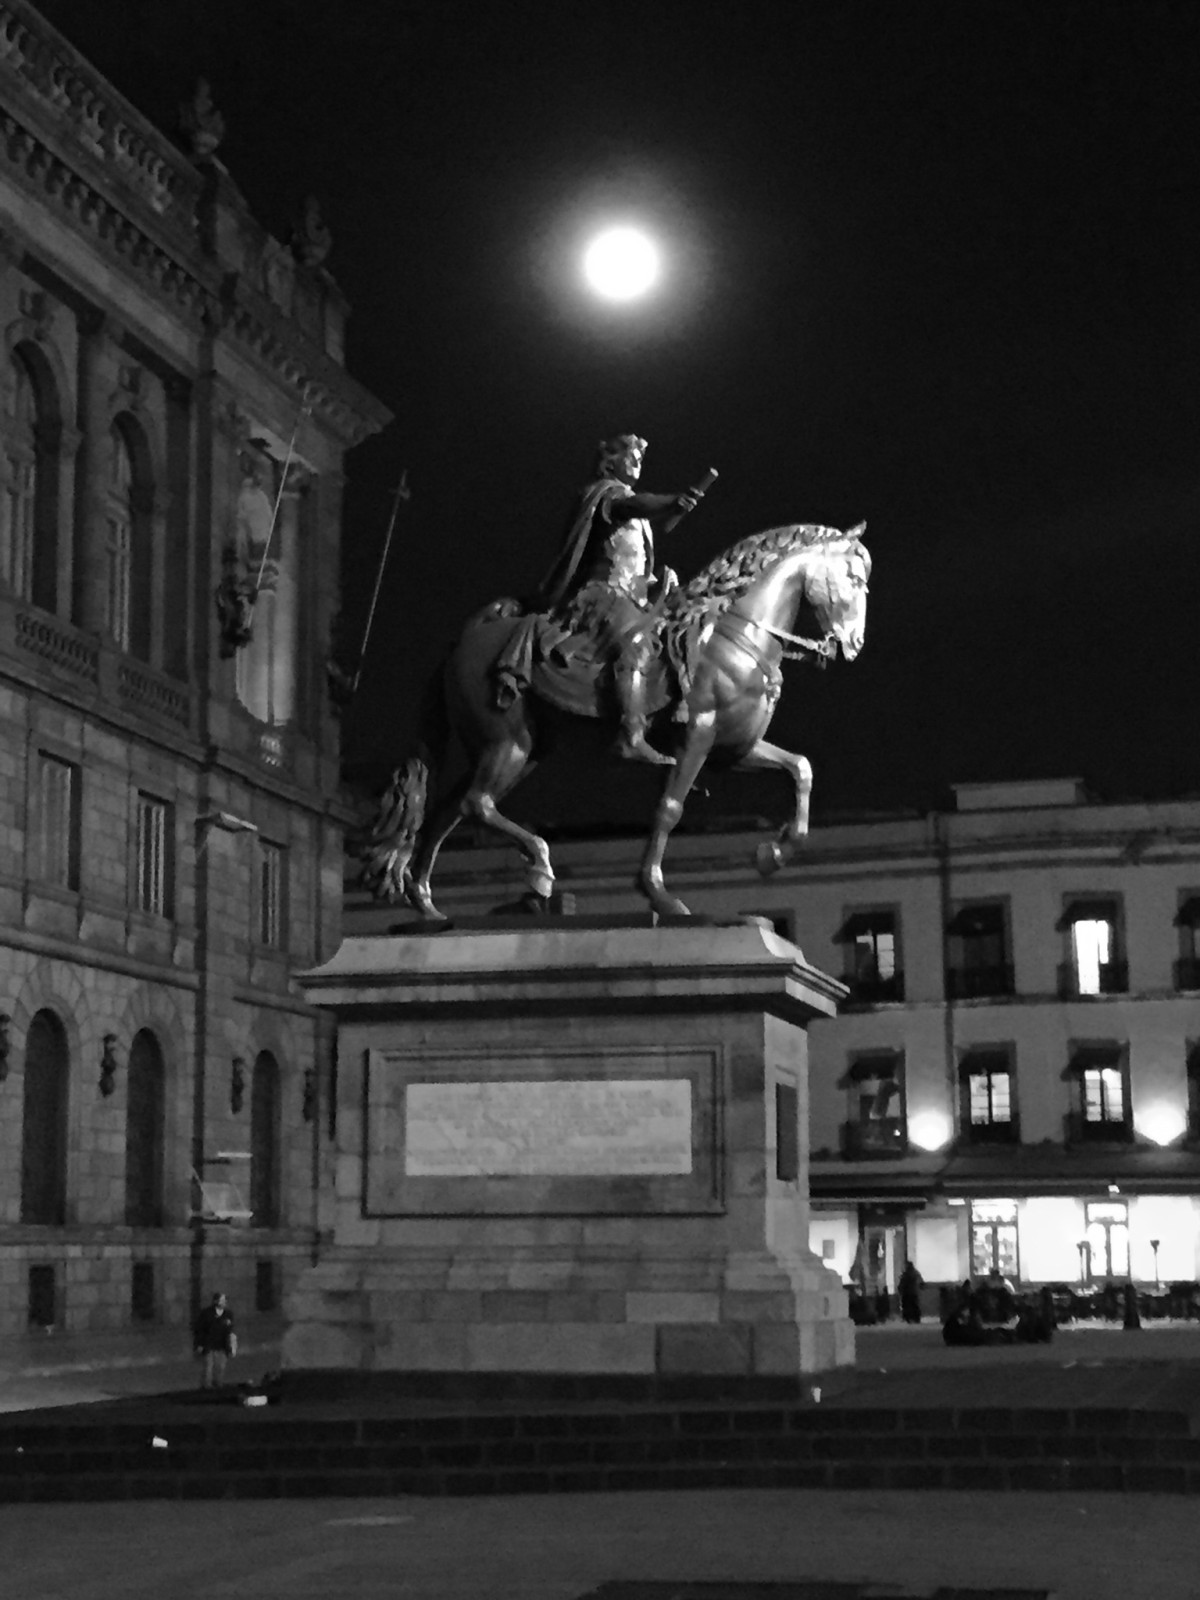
x=201 y=122
x=311 y=239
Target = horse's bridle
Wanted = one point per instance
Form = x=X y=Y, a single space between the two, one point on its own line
x=825 y=649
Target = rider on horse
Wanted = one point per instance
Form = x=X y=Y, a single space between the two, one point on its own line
x=600 y=584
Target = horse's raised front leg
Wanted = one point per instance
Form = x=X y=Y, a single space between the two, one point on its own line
x=769 y=858
x=476 y=796
x=699 y=742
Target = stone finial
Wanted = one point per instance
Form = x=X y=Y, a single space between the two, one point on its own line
x=200 y=120
x=311 y=239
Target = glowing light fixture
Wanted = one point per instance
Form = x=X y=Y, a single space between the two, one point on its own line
x=929 y=1131
x=1161 y=1124
x=621 y=263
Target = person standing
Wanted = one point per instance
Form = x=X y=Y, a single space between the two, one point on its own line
x=909 y=1286
x=214 y=1340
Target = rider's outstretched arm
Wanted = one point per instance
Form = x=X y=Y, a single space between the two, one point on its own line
x=649 y=506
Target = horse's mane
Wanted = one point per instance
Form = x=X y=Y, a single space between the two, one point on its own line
x=717 y=586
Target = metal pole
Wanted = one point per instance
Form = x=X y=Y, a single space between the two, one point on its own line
x=403 y=492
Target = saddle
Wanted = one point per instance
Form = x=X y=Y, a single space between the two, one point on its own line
x=567 y=670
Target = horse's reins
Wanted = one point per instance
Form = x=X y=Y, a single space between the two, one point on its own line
x=825 y=648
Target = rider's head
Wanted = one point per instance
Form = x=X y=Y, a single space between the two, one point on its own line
x=621 y=457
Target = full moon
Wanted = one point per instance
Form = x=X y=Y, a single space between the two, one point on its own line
x=621 y=264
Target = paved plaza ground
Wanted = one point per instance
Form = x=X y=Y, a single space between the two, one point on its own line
x=1078 y=1546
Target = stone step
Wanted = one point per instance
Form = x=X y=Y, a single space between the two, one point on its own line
x=232 y=1451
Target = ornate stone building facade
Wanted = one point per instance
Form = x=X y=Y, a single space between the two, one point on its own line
x=1013 y=1082
x=174 y=413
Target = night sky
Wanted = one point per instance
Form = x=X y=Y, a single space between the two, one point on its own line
x=933 y=265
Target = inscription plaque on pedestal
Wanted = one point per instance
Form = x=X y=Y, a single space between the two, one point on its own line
x=556 y=1128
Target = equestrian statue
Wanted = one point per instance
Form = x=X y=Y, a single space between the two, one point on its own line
x=690 y=673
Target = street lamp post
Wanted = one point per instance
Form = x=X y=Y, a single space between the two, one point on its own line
x=1154 y=1244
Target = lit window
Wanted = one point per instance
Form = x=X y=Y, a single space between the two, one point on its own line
x=1103 y=1094
x=873 y=969
x=1091 y=946
x=990 y=1096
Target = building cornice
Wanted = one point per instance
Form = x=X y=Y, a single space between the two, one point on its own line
x=71 y=140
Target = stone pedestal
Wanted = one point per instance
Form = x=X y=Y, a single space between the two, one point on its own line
x=567 y=1148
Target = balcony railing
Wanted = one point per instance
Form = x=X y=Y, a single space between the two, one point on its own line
x=1187 y=972
x=1079 y=1129
x=877 y=1136
x=871 y=989
x=978 y=983
x=1113 y=979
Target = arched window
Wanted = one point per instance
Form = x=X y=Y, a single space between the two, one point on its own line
x=264 y=1142
x=144 y=1133
x=28 y=532
x=44 y=1122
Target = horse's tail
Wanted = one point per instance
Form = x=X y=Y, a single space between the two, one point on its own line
x=386 y=848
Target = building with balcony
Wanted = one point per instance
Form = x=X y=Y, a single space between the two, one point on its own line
x=1013 y=1082
x=174 y=413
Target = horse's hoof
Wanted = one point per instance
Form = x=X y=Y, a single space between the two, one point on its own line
x=671 y=908
x=768 y=858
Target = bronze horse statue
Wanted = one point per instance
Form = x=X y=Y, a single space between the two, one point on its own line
x=719 y=680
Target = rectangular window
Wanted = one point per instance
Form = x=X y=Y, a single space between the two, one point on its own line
x=977 y=953
x=266 y=1286
x=42 y=1301
x=143 y=1299
x=1193 y=1093
x=272 y=884
x=155 y=856
x=987 y=1097
x=118 y=556
x=876 y=1124
x=1091 y=948
x=1187 y=920
x=1094 y=965
x=872 y=942
x=58 y=822
x=1103 y=1094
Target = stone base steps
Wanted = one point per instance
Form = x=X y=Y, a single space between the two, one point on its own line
x=171 y=1449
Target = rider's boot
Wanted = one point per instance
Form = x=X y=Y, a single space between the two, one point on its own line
x=631 y=743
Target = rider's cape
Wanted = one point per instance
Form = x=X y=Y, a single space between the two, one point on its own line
x=560 y=581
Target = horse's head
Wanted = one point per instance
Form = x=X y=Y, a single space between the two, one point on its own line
x=835 y=586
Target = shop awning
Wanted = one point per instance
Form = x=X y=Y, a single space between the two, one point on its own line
x=1087 y=1057
x=977 y=920
x=1048 y=1169
x=860 y=922
x=871 y=1068
x=1089 y=910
